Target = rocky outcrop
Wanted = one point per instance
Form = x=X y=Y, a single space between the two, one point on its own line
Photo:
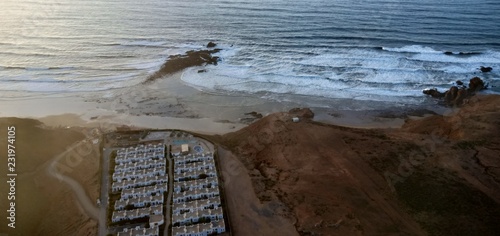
x=434 y=176
x=485 y=69
x=433 y=92
x=476 y=84
x=456 y=96
x=255 y=114
x=253 y=117
x=303 y=113
x=176 y=63
x=211 y=45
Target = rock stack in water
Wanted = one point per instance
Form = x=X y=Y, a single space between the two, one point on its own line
x=456 y=96
x=176 y=63
x=485 y=69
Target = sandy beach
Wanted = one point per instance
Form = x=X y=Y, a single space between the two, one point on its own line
x=329 y=117
x=171 y=103
x=168 y=103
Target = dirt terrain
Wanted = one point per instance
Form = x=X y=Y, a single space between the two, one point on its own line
x=438 y=175
x=45 y=206
x=434 y=176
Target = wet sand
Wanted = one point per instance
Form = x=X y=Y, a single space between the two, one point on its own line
x=171 y=103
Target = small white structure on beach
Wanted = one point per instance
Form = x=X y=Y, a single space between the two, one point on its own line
x=184 y=149
x=295 y=119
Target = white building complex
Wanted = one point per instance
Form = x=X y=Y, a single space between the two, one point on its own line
x=140 y=185
x=136 y=213
x=139 y=202
x=140 y=153
x=139 y=182
x=193 y=158
x=134 y=166
x=212 y=203
x=128 y=175
x=203 y=229
x=153 y=231
x=144 y=191
x=195 y=184
x=140 y=177
x=197 y=208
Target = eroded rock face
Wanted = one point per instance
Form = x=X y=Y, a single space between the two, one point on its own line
x=456 y=96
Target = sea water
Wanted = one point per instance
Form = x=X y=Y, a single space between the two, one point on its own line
x=376 y=50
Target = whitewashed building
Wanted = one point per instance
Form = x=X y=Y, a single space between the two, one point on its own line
x=208 y=182
x=141 y=148
x=139 y=182
x=136 y=213
x=139 y=202
x=202 y=165
x=139 y=231
x=195 y=174
x=202 y=204
x=144 y=191
x=193 y=158
x=195 y=194
x=194 y=217
x=128 y=158
x=204 y=229
x=129 y=175
x=146 y=164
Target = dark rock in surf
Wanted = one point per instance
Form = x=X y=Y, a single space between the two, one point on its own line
x=485 y=69
x=460 y=83
x=202 y=71
x=214 y=60
x=476 y=84
x=448 y=53
x=456 y=96
x=255 y=114
x=176 y=63
x=433 y=92
x=211 y=44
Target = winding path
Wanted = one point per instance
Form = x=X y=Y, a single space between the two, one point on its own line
x=91 y=210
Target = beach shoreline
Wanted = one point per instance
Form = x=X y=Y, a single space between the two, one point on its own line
x=172 y=103
x=386 y=122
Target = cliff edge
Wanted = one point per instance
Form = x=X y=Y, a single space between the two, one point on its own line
x=438 y=175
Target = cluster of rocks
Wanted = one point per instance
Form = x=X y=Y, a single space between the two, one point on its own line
x=253 y=116
x=456 y=95
x=176 y=63
x=301 y=113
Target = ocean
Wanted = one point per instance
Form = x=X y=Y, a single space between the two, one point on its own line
x=375 y=50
